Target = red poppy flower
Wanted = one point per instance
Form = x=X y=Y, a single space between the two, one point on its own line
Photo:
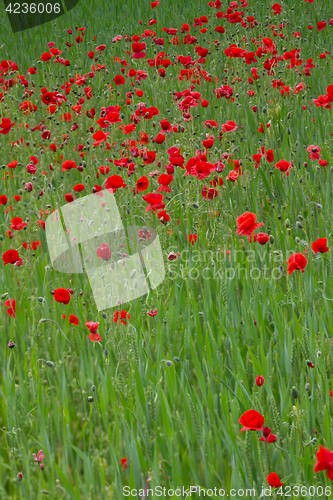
x=277 y=8
x=320 y=245
x=297 y=261
x=192 y=238
x=92 y=326
x=3 y=199
x=314 y=152
x=69 y=197
x=270 y=156
x=123 y=462
x=268 y=436
x=154 y=201
x=246 y=224
x=142 y=184
x=321 y=25
x=123 y=315
x=119 y=80
x=283 y=166
x=74 y=320
x=274 y=480
x=209 y=194
x=251 y=420
x=262 y=238
x=79 y=187
x=17 y=224
x=152 y=312
x=324 y=461
x=163 y=216
x=99 y=137
x=11 y=304
x=232 y=176
x=46 y=56
x=229 y=126
x=10 y=257
x=68 y=165
x=62 y=295
x=103 y=252
x=114 y=182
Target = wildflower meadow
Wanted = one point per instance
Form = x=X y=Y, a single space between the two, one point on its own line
x=201 y=133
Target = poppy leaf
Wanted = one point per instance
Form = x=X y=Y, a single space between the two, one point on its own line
x=65 y=482
x=243 y=408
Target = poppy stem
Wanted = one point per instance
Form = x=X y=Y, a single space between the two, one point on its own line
x=299 y=429
x=260 y=462
x=51 y=321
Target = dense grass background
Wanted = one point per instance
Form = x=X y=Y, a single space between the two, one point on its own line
x=176 y=425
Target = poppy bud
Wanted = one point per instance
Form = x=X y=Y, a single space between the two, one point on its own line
x=50 y=364
x=90 y=399
x=266 y=431
x=104 y=315
x=318 y=354
x=176 y=359
x=93 y=388
x=294 y=393
x=288 y=131
x=287 y=223
x=299 y=225
x=11 y=344
x=106 y=352
x=168 y=363
x=260 y=380
x=4 y=295
x=264 y=110
x=41 y=299
x=43 y=320
x=297 y=240
x=195 y=205
x=319 y=206
x=271 y=239
x=41 y=466
x=20 y=476
x=307 y=387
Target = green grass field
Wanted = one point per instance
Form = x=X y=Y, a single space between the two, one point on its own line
x=166 y=392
